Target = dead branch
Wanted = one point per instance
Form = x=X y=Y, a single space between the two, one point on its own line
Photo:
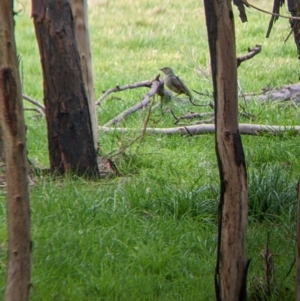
x=276 y=10
x=193 y=115
x=41 y=112
x=268 y=264
x=251 y=53
x=156 y=86
x=269 y=13
x=240 y=5
x=35 y=102
x=117 y=88
x=201 y=129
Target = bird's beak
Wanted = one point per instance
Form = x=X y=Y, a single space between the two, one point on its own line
x=160 y=69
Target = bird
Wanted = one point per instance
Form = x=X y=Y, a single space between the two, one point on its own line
x=174 y=83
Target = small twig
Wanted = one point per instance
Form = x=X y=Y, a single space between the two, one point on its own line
x=203 y=94
x=144 y=129
x=252 y=52
x=35 y=110
x=35 y=102
x=118 y=88
x=193 y=115
x=246 y=114
x=122 y=149
x=209 y=120
x=290 y=269
x=173 y=114
x=269 y=13
x=268 y=263
x=288 y=36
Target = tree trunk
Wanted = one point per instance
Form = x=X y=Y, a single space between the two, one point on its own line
x=80 y=14
x=1 y=147
x=70 y=138
x=14 y=142
x=298 y=246
x=231 y=267
x=294 y=9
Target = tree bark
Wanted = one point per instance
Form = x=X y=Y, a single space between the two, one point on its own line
x=70 y=138
x=14 y=142
x=294 y=9
x=231 y=267
x=80 y=14
x=298 y=246
x=1 y=147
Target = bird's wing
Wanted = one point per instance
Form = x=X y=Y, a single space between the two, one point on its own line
x=184 y=88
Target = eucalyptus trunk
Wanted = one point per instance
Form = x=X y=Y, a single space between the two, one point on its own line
x=70 y=137
x=14 y=149
x=231 y=266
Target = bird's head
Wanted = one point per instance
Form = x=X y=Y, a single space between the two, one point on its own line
x=166 y=70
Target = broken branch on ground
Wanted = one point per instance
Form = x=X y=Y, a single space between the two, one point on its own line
x=244 y=129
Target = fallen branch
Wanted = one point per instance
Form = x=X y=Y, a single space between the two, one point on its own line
x=244 y=128
x=191 y=115
x=156 y=86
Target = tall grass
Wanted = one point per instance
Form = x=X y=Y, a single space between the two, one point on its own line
x=151 y=233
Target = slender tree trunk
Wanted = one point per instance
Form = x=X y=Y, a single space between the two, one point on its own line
x=80 y=14
x=231 y=267
x=14 y=142
x=70 y=138
x=298 y=247
x=1 y=147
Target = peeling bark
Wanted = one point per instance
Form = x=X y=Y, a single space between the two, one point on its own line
x=231 y=267
x=80 y=14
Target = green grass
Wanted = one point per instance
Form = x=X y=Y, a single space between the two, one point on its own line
x=151 y=233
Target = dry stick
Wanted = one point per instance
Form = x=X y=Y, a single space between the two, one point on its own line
x=122 y=149
x=269 y=13
x=155 y=87
x=209 y=120
x=268 y=264
x=144 y=128
x=35 y=102
x=117 y=88
x=193 y=115
x=244 y=128
x=35 y=110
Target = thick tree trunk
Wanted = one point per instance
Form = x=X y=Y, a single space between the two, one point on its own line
x=13 y=135
x=70 y=138
x=79 y=9
x=231 y=267
x=294 y=9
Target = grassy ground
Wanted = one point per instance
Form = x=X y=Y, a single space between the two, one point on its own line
x=150 y=234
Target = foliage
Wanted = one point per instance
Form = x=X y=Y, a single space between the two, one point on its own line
x=150 y=234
